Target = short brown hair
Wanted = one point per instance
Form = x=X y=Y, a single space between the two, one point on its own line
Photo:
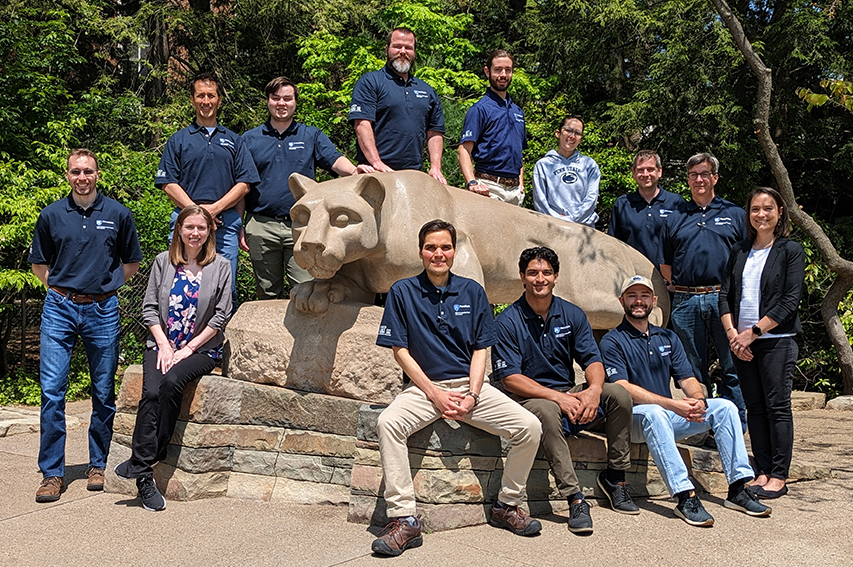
x=177 y=254
x=436 y=225
x=644 y=155
x=205 y=78
x=82 y=152
x=499 y=53
x=571 y=117
x=273 y=86
x=783 y=225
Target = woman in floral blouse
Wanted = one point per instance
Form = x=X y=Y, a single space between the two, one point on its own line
x=186 y=307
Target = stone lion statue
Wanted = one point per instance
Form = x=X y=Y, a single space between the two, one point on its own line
x=358 y=235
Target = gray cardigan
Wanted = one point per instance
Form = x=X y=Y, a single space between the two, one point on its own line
x=214 y=298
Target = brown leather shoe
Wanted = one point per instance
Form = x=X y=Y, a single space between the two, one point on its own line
x=515 y=520
x=397 y=537
x=96 y=479
x=50 y=489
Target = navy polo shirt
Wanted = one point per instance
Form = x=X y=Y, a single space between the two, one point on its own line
x=696 y=242
x=299 y=149
x=205 y=165
x=496 y=126
x=441 y=329
x=402 y=112
x=85 y=249
x=649 y=361
x=639 y=223
x=543 y=350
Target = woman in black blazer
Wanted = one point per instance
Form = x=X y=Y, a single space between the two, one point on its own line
x=759 y=298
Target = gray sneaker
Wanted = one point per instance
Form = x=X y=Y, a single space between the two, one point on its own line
x=618 y=495
x=747 y=502
x=692 y=512
x=580 y=522
x=151 y=498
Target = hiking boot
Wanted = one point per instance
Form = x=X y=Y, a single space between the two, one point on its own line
x=514 y=519
x=122 y=470
x=580 y=522
x=50 y=489
x=95 y=480
x=618 y=495
x=151 y=498
x=691 y=511
x=747 y=502
x=398 y=536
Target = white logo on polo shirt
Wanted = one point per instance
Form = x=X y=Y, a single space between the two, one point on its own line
x=499 y=364
x=355 y=108
x=461 y=309
x=225 y=142
x=384 y=331
x=562 y=331
x=665 y=350
x=296 y=145
x=161 y=173
x=468 y=133
x=665 y=213
x=101 y=224
x=519 y=118
x=420 y=94
x=611 y=371
x=722 y=221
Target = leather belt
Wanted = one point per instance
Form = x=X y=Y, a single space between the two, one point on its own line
x=505 y=181
x=697 y=289
x=81 y=298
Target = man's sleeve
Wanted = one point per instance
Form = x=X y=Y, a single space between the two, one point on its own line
x=435 y=120
x=244 y=165
x=680 y=367
x=392 y=329
x=129 y=250
x=325 y=152
x=584 y=349
x=471 y=126
x=42 y=250
x=169 y=170
x=615 y=364
x=506 y=352
x=365 y=99
x=486 y=333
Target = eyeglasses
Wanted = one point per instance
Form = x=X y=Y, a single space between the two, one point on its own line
x=572 y=132
x=706 y=175
x=79 y=172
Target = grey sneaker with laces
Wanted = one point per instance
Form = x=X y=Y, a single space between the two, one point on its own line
x=617 y=494
x=151 y=498
x=691 y=511
x=747 y=502
x=580 y=522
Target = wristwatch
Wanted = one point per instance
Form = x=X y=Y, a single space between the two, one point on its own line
x=475 y=396
x=757 y=330
x=472 y=182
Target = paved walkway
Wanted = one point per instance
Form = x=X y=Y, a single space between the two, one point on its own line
x=811 y=526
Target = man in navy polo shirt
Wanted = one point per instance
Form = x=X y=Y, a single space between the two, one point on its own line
x=493 y=137
x=280 y=147
x=695 y=245
x=84 y=248
x=637 y=218
x=538 y=338
x=644 y=358
x=207 y=164
x=394 y=112
x=440 y=325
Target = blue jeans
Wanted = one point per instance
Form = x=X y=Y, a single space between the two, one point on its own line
x=696 y=321
x=97 y=325
x=660 y=428
x=227 y=242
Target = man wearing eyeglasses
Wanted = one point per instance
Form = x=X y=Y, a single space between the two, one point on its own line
x=695 y=246
x=565 y=182
x=439 y=326
x=84 y=248
x=493 y=137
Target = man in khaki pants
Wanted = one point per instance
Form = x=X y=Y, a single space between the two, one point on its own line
x=440 y=325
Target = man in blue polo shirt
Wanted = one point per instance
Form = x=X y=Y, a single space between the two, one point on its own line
x=207 y=164
x=394 y=112
x=493 y=137
x=538 y=338
x=279 y=147
x=695 y=244
x=637 y=218
x=439 y=326
x=84 y=248
x=644 y=358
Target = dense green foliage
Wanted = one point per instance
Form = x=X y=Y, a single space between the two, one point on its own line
x=665 y=76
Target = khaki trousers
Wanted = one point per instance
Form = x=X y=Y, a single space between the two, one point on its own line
x=511 y=195
x=617 y=420
x=411 y=410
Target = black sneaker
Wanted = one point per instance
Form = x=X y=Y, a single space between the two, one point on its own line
x=618 y=495
x=122 y=470
x=691 y=511
x=151 y=498
x=580 y=522
x=747 y=502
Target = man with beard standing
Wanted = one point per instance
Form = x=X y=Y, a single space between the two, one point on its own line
x=394 y=112
x=493 y=137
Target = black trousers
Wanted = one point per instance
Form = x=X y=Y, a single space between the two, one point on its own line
x=766 y=385
x=160 y=406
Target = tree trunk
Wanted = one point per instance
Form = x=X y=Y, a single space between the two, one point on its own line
x=834 y=262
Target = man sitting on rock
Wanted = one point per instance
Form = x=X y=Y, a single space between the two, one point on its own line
x=439 y=326
x=538 y=337
x=643 y=358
